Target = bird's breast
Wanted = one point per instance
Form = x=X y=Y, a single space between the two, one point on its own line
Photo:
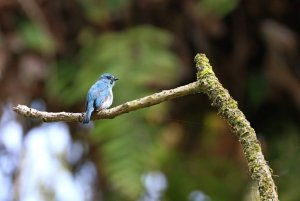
x=108 y=101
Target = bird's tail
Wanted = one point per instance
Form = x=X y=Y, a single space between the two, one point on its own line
x=87 y=116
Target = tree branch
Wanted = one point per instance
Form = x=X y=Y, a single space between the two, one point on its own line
x=228 y=109
x=221 y=99
x=113 y=112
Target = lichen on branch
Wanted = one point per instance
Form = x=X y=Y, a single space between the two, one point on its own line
x=228 y=109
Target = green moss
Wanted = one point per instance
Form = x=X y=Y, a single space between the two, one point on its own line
x=228 y=109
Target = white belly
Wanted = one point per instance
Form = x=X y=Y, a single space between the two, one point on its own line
x=108 y=101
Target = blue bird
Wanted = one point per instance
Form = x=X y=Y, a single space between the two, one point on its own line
x=100 y=95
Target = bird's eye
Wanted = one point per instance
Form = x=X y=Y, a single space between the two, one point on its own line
x=108 y=77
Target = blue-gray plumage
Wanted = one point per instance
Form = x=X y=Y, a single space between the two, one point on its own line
x=100 y=95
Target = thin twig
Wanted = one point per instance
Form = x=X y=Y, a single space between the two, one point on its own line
x=113 y=112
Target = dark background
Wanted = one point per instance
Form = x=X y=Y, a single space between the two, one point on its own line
x=51 y=52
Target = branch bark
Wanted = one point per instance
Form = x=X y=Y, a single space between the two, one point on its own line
x=113 y=112
x=208 y=83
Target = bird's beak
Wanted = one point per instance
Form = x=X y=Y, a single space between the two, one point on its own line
x=115 y=79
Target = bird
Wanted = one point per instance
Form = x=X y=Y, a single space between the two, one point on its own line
x=100 y=95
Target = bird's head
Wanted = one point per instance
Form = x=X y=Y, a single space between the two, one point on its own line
x=108 y=78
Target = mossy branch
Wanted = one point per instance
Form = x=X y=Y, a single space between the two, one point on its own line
x=228 y=109
x=208 y=83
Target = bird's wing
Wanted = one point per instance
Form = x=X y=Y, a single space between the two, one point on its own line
x=96 y=90
x=97 y=93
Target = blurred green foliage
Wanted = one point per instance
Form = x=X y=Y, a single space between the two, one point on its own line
x=35 y=38
x=285 y=152
x=99 y=11
x=199 y=173
x=132 y=144
x=218 y=7
x=256 y=97
x=139 y=56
